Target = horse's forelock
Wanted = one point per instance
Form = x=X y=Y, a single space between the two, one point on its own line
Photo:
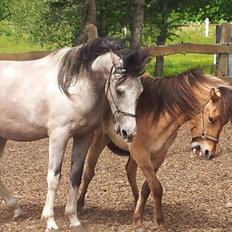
x=134 y=61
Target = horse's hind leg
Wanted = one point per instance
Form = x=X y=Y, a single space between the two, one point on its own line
x=99 y=142
x=9 y=200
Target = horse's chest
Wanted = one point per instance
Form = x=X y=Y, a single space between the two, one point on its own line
x=86 y=120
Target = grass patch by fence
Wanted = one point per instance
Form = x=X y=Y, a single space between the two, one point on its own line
x=174 y=64
x=12 y=42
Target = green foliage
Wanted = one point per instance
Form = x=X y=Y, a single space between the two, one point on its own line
x=5 y=9
x=11 y=41
x=216 y=10
x=116 y=15
x=52 y=23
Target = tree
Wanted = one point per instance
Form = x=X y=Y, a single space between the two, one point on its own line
x=166 y=16
x=88 y=18
x=5 y=9
x=137 y=22
x=56 y=20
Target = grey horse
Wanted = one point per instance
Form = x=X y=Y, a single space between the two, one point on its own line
x=64 y=95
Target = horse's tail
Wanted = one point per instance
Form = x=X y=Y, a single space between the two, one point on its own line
x=117 y=150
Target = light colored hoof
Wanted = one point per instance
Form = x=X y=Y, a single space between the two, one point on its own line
x=17 y=213
x=77 y=228
x=51 y=225
x=74 y=222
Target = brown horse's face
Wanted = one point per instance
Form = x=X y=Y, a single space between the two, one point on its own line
x=206 y=126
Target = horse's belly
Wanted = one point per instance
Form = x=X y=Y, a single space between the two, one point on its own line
x=18 y=132
x=22 y=121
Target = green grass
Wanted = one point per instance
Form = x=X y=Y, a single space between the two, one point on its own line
x=174 y=64
x=12 y=42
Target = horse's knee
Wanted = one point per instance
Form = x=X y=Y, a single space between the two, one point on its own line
x=89 y=173
x=158 y=190
x=53 y=179
x=76 y=175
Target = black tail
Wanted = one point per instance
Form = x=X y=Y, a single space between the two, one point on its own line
x=117 y=150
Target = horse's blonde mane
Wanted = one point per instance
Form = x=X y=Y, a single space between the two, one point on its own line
x=174 y=94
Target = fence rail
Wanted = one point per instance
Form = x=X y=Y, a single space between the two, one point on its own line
x=223 y=48
x=24 y=55
x=181 y=48
x=191 y=48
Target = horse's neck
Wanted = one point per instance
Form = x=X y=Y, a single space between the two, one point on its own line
x=92 y=92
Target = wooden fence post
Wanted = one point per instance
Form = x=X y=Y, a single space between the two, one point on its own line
x=223 y=35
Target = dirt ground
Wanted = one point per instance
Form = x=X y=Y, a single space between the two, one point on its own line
x=196 y=192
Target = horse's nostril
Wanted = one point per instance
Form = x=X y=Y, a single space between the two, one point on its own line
x=207 y=155
x=124 y=134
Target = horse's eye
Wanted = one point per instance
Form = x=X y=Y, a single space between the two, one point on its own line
x=210 y=119
x=120 y=93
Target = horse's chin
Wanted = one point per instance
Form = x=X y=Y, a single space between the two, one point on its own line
x=127 y=140
x=116 y=128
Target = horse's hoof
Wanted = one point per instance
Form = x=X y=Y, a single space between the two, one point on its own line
x=77 y=228
x=17 y=213
x=51 y=225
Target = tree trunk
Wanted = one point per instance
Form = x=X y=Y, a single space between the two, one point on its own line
x=137 y=23
x=161 y=39
x=102 y=28
x=88 y=18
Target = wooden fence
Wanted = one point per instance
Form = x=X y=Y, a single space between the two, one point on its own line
x=222 y=48
x=24 y=56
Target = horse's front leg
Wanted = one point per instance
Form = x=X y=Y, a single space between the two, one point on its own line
x=139 y=210
x=57 y=143
x=79 y=151
x=155 y=187
x=142 y=158
x=131 y=171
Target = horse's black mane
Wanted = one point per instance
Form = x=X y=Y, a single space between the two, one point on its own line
x=81 y=58
x=174 y=94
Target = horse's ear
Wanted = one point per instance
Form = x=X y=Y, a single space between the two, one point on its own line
x=102 y=63
x=215 y=95
x=114 y=59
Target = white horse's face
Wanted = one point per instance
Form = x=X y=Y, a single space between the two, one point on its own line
x=123 y=93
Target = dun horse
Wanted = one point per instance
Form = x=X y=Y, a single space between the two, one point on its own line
x=163 y=107
x=64 y=95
